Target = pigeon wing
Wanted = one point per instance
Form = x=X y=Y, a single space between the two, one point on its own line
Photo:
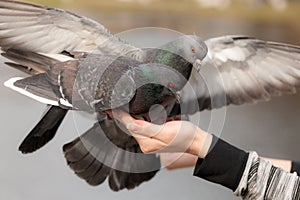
x=96 y=155
x=239 y=70
x=44 y=130
x=43 y=29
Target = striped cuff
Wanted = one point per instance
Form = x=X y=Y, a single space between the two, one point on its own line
x=261 y=180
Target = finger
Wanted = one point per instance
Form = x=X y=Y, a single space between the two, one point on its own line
x=150 y=145
x=138 y=127
x=138 y=137
x=122 y=116
x=144 y=128
x=134 y=126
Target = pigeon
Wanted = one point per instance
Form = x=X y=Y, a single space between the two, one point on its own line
x=53 y=78
x=235 y=70
x=96 y=83
x=62 y=77
x=92 y=36
x=73 y=85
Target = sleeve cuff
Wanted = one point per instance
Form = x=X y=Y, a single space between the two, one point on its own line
x=224 y=164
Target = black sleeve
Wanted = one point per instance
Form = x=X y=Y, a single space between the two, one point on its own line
x=224 y=164
x=295 y=167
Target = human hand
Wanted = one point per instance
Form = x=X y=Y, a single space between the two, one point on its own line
x=173 y=136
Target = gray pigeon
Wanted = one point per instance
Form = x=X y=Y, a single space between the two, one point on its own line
x=97 y=83
x=59 y=78
x=41 y=21
x=236 y=70
x=55 y=77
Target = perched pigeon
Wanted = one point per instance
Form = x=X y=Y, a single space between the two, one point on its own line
x=98 y=83
x=92 y=37
x=59 y=78
x=236 y=70
x=57 y=75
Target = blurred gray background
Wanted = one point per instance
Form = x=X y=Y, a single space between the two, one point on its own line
x=270 y=128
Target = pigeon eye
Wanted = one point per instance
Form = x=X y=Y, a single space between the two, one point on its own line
x=193 y=50
x=171 y=84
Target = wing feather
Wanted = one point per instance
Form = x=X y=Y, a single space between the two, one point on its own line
x=96 y=155
x=239 y=70
x=42 y=29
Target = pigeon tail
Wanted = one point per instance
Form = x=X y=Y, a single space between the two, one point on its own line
x=36 y=87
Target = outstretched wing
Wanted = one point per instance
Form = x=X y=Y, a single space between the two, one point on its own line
x=42 y=29
x=239 y=70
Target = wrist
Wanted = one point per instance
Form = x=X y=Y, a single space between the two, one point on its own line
x=201 y=143
x=286 y=165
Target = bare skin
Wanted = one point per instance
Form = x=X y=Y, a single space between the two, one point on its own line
x=179 y=143
x=171 y=137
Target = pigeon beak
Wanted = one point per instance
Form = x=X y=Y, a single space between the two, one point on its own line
x=198 y=64
x=198 y=61
x=109 y=112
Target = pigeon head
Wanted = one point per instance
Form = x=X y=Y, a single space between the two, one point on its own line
x=190 y=47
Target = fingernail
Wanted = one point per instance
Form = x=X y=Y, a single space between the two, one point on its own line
x=133 y=127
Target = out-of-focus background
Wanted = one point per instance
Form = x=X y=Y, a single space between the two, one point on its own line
x=266 y=19
x=270 y=128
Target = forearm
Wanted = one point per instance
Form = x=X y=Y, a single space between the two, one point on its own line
x=262 y=180
x=224 y=164
x=246 y=174
x=178 y=160
x=286 y=165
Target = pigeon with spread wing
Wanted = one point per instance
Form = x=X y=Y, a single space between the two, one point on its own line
x=52 y=44
x=95 y=76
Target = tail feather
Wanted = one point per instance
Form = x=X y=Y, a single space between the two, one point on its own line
x=94 y=158
x=36 y=87
x=44 y=131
